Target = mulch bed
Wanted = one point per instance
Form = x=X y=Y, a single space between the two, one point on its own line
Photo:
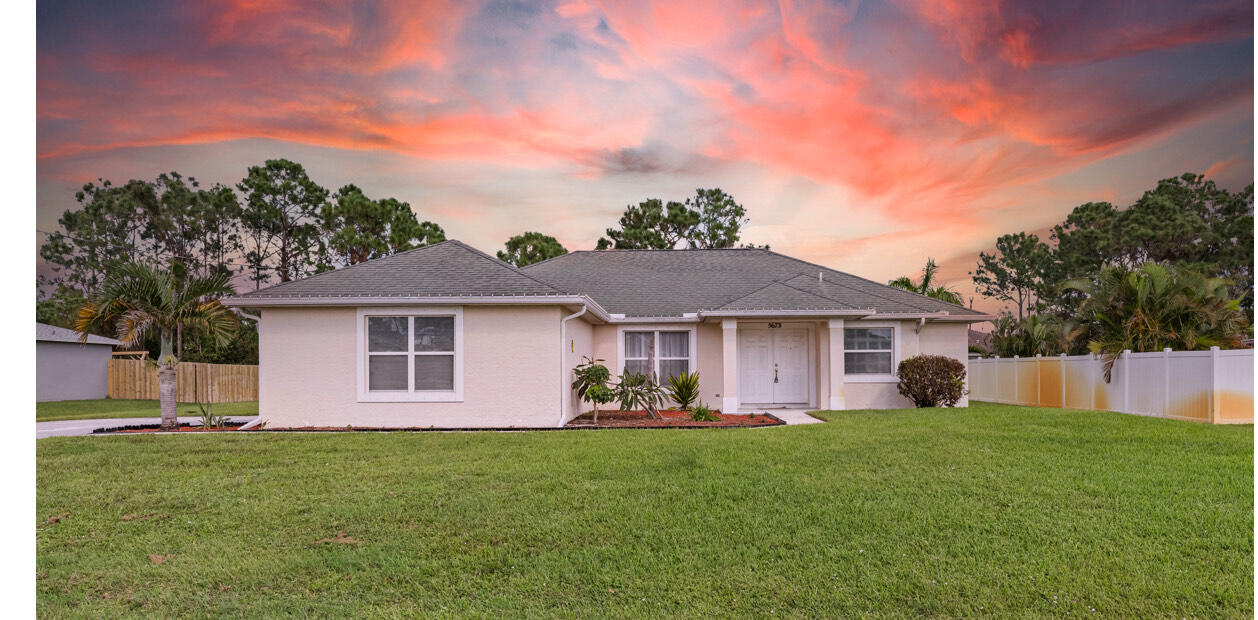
x=184 y=427
x=606 y=419
x=671 y=419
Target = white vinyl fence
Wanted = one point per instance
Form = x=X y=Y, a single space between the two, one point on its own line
x=1212 y=386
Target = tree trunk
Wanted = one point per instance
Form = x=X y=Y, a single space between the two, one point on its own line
x=166 y=383
x=179 y=340
x=167 y=391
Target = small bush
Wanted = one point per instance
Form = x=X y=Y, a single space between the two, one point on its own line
x=635 y=391
x=701 y=413
x=932 y=380
x=684 y=389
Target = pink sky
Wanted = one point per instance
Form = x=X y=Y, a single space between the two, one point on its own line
x=865 y=136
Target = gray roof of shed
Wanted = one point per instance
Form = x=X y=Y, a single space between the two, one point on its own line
x=447 y=269
x=52 y=333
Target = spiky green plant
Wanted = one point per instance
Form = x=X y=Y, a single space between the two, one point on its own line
x=1153 y=306
x=684 y=389
x=138 y=298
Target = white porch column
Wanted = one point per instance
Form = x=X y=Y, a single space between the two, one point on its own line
x=836 y=365
x=729 y=365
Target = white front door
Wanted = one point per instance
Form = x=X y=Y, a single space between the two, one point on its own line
x=773 y=366
x=790 y=361
x=755 y=366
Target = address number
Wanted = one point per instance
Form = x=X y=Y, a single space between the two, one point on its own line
x=775 y=325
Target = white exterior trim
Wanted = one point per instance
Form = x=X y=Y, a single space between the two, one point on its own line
x=795 y=313
x=896 y=352
x=445 y=396
x=452 y=300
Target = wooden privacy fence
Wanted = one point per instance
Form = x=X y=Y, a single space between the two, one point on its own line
x=1212 y=386
x=197 y=382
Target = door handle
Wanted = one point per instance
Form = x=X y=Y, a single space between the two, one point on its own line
x=775 y=372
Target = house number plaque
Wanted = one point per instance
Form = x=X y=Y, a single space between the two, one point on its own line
x=775 y=325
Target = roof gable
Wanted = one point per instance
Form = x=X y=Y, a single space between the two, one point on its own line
x=779 y=296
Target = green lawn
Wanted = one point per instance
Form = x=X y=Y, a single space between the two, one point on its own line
x=115 y=408
x=995 y=510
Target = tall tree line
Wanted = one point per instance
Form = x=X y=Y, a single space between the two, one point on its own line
x=1186 y=222
x=276 y=224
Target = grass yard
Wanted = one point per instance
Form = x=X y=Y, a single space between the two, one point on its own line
x=121 y=408
x=997 y=510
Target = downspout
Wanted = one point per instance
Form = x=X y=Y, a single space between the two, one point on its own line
x=920 y=324
x=257 y=321
x=563 y=356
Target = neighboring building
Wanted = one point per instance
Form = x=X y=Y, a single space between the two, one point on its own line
x=447 y=336
x=68 y=370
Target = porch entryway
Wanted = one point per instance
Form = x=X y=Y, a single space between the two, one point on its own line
x=773 y=366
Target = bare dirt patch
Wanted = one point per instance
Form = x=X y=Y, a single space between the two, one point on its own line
x=340 y=539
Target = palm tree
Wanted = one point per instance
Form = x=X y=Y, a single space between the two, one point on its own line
x=925 y=287
x=1153 y=306
x=138 y=298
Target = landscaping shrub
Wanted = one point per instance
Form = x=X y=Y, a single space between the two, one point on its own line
x=932 y=380
x=684 y=389
x=635 y=391
x=701 y=413
x=591 y=383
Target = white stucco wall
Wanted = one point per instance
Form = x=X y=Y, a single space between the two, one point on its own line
x=71 y=371
x=580 y=345
x=511 y=358
x=948 y=339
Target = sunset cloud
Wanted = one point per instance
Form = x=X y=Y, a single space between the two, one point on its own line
x=863 y=127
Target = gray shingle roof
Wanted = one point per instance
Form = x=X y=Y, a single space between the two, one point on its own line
x=779 y=296
x=674 y=282
x=52 y=333
x=449 y=268
x=636 y=283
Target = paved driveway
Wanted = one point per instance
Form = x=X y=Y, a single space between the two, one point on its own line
x=64 y=428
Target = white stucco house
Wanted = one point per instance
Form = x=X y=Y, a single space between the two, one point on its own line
x=447 y=336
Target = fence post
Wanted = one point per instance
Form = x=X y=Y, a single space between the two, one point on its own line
x=1216 y=408
x=1166 y=382
x=1063 y=380
x=1093 y=372
x=1039 y=381
x=1126 y=380
x=996 y=383
x=1016 y=381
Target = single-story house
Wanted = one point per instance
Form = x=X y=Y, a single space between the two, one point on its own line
x=68 y=370
x=448 y=336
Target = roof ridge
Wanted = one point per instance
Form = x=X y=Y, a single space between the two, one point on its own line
x=787 y=284
x=567 y=252
x=800 y=260
x=748 y=294
x=348 y=267
x=883 y=297
x=874 y=282
x=502 y=263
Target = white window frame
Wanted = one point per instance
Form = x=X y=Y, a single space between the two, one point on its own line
x=410 y=395
x=692 y=359
x=896 y=342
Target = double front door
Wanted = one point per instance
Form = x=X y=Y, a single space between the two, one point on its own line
x=773 y=366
